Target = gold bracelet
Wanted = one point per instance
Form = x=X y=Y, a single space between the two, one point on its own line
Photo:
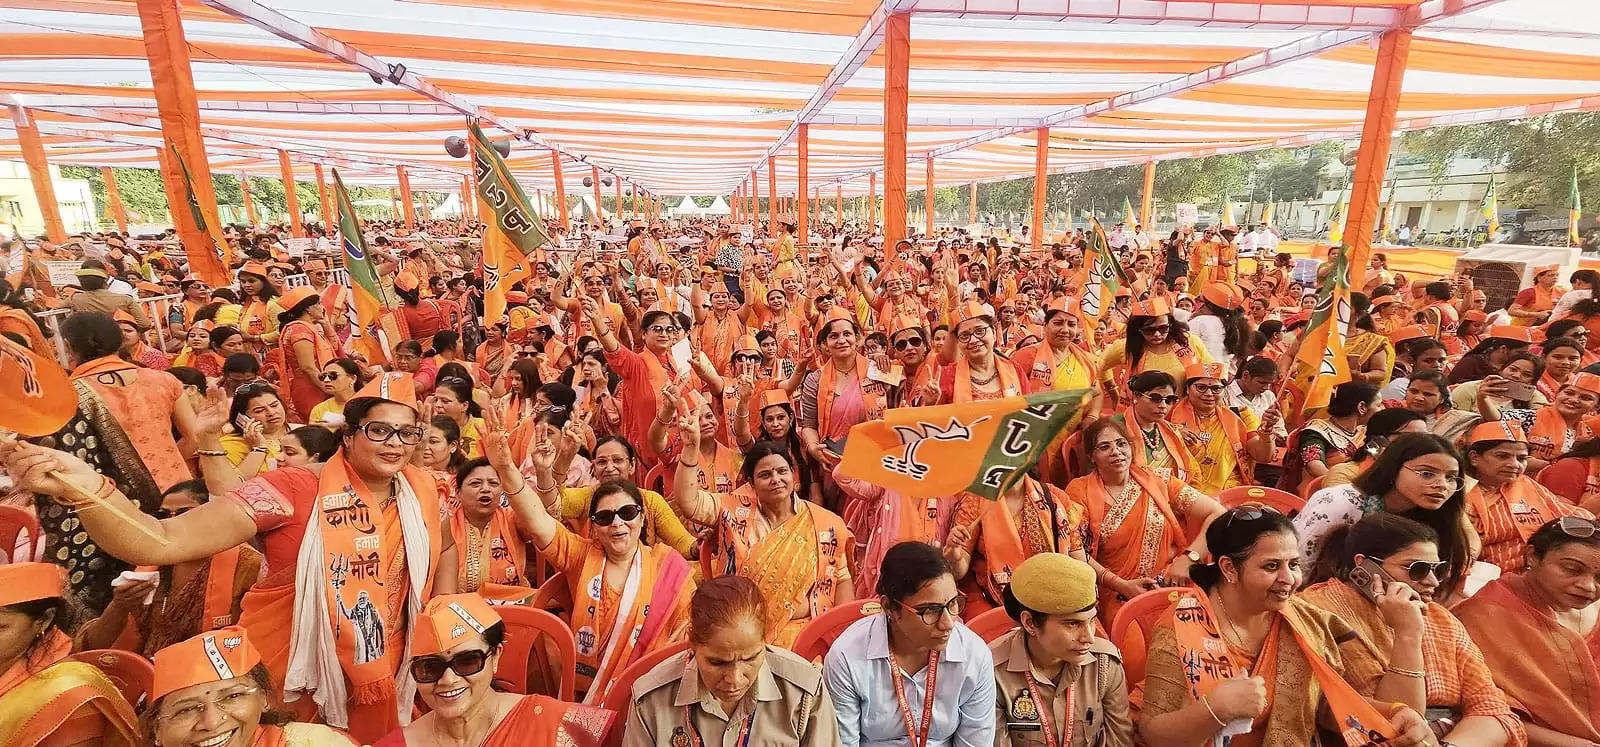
x=1214 y=715
x=1413 y=673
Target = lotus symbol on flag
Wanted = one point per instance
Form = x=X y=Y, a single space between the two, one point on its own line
x=913 y=437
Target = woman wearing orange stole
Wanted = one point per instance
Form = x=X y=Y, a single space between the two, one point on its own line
x=303 y=341
x=1532 y=306
x=457 y=649
x=1138 y=524
x=979 y=373
x=1242 y=656
x=493 y=559
x=1552 y=429
x=352 y=548
x=46 y=699
x=632 y=598
x=796 y=551
x=1225 y=445
x=991 y=538
x=845 y=391
x=1538 y=630
x=258 y=310
x=222 y=668
x=1506 y=506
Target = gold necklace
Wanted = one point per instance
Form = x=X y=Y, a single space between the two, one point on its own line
x=1228 y=618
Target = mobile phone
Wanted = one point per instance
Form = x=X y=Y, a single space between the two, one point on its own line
x=1519 y=391
x=1370 y=579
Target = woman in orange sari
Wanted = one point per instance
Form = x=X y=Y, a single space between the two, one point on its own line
x=979 y=373
x=47 y=699
x=457 y=646
x=632 y=597
x=846 y=390
x=303 y=341
x=1543 y=633
x=494 y=555
x=991 y=538
x=258 y=311
x=796 y=551
x=1506 y=506
x=1142 y=529
x=1532 y=306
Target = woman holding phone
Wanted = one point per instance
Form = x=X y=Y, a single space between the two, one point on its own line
x=1551 y=430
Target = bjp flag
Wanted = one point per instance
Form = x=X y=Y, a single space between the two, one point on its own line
x=1320 y=364
x=977 y=447
x=1102 y=275
x=377 y=327
x=39 y=397
x=513 y=230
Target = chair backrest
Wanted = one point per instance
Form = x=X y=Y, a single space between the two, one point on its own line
x=1285 y=502
x=553 y=596
x=656 y=479
x=991 y=624
x=1130 y=630
x=814 y=639
x=620 y=697
x=1312 y=487
x=525 y=627
x=17 y=527
x=133 y=674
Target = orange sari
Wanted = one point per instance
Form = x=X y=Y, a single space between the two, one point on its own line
x=1135 y=534
x=49 y=699
x=303 y=391
x=1000 y=544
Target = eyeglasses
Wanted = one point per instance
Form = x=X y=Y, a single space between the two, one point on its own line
x=607 y=517
x=188 y=712
x=1431 y=476
x=252 y=388
x=1418 y=570
x=907 y=342
x=930 y=612
x=661 y=330
x=163 y=513
x=1208 y=388
x=328 y=376
x=1159 y=329
x=1578 y=527
x=380 y=432
x=1248 y=512
x=1170 y=399
x=971 y=335
x=430 y=669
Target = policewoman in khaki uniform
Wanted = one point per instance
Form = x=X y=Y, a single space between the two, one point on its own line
x=730 y=689
x=1052 y=664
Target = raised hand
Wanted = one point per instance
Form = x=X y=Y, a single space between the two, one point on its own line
x=495 y=446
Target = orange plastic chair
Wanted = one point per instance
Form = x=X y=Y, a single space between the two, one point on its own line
x=656 y=479
x=14 y=524
x=1285 y=502
x=1311 y=488
x=553 y=596
x=620 y=697
x=991 y=624
x=817 y=636
x=1130 y=630
x=526 y=627
x=133 y=674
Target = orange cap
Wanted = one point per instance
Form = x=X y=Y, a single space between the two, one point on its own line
x=1411 y=332
x=315 y=263
x=394 y=386
x=747 y=344
x=773 y=397
x=1220 y=295
x=1205 y=371
x=970 y=310
x=254 y=268
x=449 y=621
x=1511 y=332
x=1386 y=298
x=902 y=322
x=405 y=281
x=1153 y=306
x=1475 y=315
x=296 y=296
x=221 y=654
x=30 y=582
x=40 y=398
x=1123 y=292
x=123 y=317
x=516 y=297
x=837 y=312
x=1542 y=269
x=1497 y=430
x=1586 y=381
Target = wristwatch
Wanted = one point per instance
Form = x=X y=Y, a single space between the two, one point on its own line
x=1193 y=556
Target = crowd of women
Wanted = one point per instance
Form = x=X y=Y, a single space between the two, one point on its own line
x=323 y=548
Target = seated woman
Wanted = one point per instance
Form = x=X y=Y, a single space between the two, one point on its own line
x=452 y=398
x=340 y=379
x=1383 y=573
x=1325 y=442
x=221 y=668
x=630 y=598
x=456 y=646
x=258 y=423
x=1554 y=428
x=1418 y=476
x=731 y=685
x=991 y=538
x=1506 y=506
x=796 y=551
x=1538 y=627
x=1142 y=529
x=1575 y=475
x=1243 y=652
x=47 y=699
x=494 y=559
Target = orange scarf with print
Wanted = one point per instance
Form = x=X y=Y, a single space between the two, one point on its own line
x=1183 y=462
x=602 y=654
x=1550 y=437
x=1529 y=507
x=501 y=552
x=872 y=393
x=102 y=365
x=1010 y=385
x=1232 y=425
x=1006 y=544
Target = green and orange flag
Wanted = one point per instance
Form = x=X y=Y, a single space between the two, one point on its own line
x=513 y=231
x=1574 y=211
x=1320 y=364
x=1103 y=275
x=376 y=330
x=210 y=264
x=982 y=448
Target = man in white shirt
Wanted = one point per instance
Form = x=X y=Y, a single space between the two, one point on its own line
x=1583 y=285
x=878 y=670
x=1252 y=390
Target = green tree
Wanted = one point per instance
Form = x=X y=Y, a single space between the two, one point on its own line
x=140 y=189
x=1539 y=154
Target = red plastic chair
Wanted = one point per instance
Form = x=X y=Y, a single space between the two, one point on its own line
x=1285 y=502
x=14 y=524
x=525 y=628
x=133 y=674
x=991 y=624
x=817 y=636
x=620 y=697
x=553 y=596
x=657 y=479
x=1130 y=630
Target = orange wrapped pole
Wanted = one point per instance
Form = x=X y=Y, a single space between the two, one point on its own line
x=872 y=200
x=1372 y=156
x=394 y=203
x=249 y=204
x=1041 y=173
x=1149 y=195
x=296 y=222
x=772 y=196
x=616 y=211
x=561 y=190
x=838 y=204
x=972 y=203
x=39 y=173
x=407 y=202
x=538 y=202
x=896 y=72
x=594 y=177
x=172 y=80
x=802 y=213
x=927 y=197
x=635 y=201
x=114 y=197
x=328 y=219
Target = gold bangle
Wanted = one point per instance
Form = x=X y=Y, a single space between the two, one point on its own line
x=1413 y=673
x=1214 y=715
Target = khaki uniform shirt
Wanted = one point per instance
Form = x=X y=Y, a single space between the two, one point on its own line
x=1100 y=709
x=789 y=702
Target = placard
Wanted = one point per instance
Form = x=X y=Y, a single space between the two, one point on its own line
x=299 y=247
x=62 y=272
x=747 y=234
x=1188 y=213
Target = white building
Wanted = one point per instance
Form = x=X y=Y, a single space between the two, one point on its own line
x=1418 y=201
x=19 y=208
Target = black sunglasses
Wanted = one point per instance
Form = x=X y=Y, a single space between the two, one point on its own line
x=327 y=376
x=1419 y=569
x=1170 y=399
x=252 y=388
x=907 y=342
x=429 y=669
x=1248 y=512
x=606 y=517
x=747 y=359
